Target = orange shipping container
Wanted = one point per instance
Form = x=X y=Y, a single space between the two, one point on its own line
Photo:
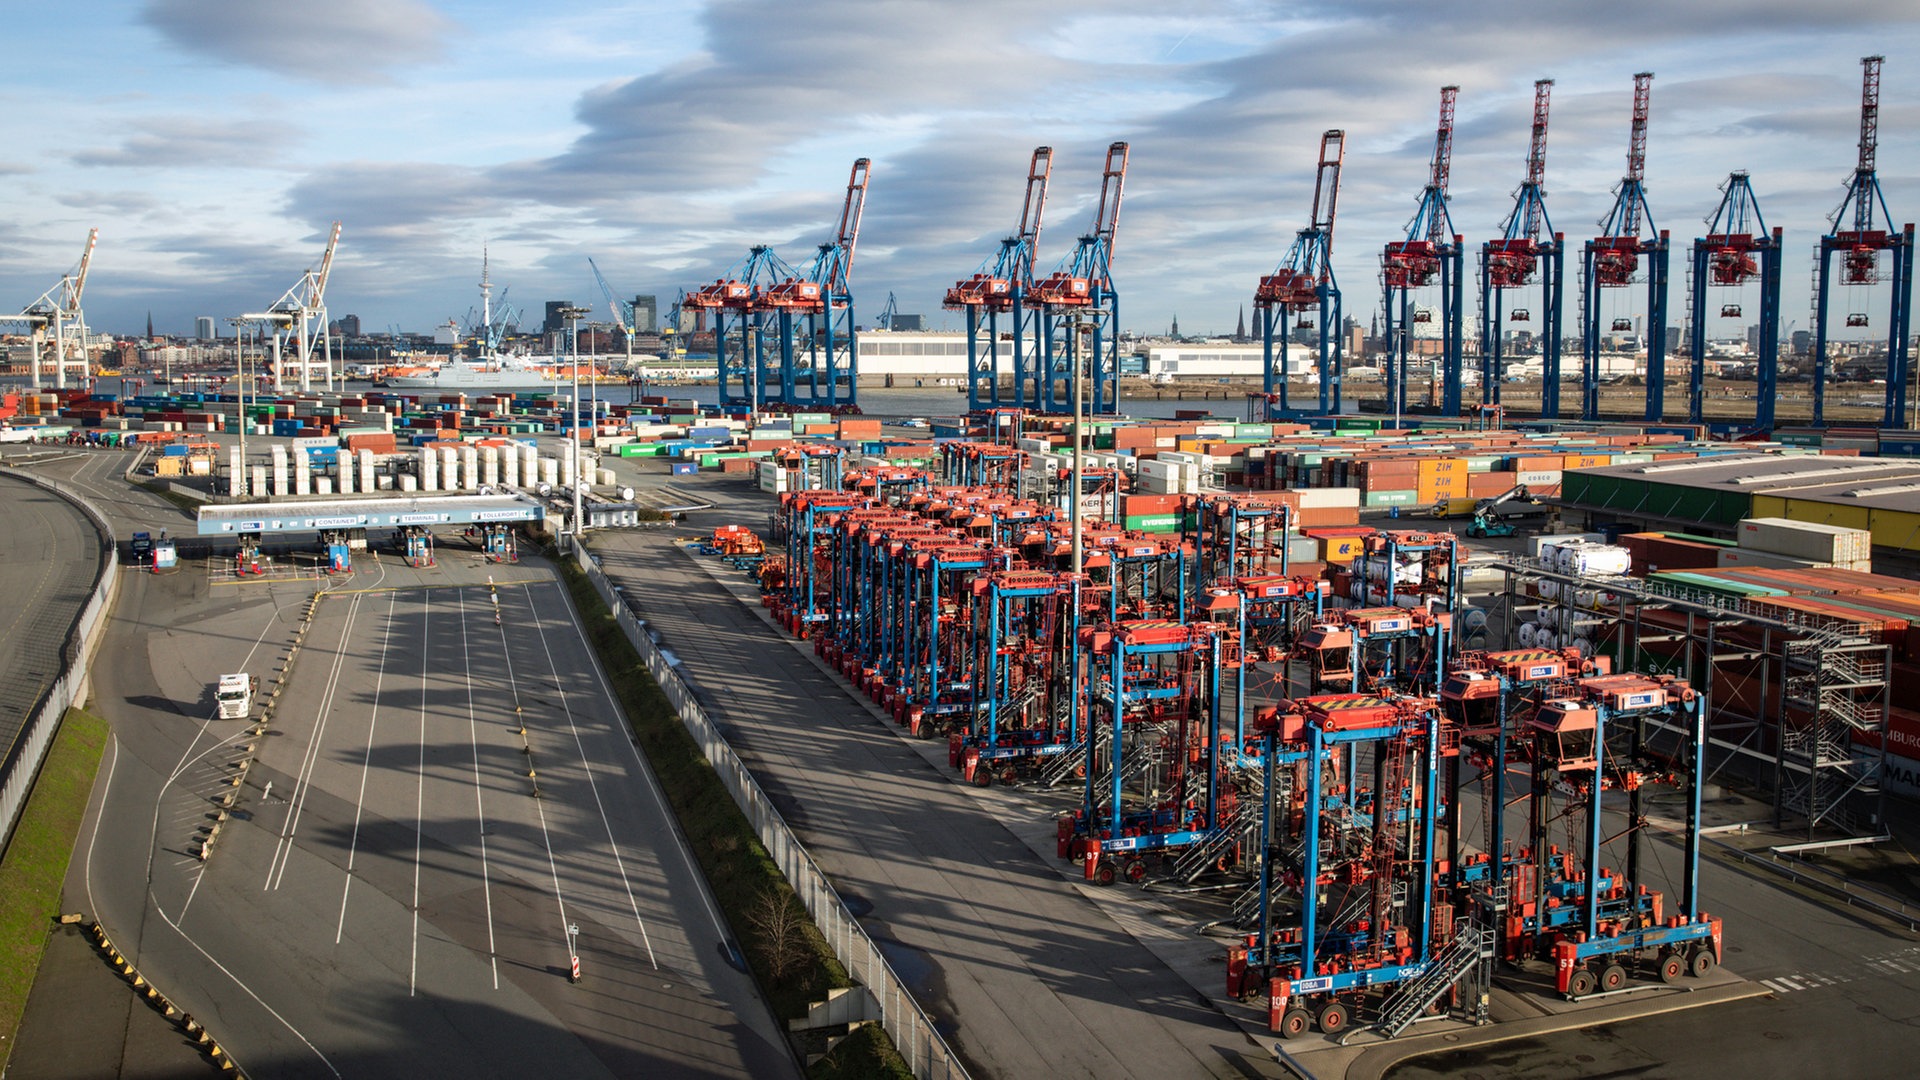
x=1490 y=484
x=1321 y=517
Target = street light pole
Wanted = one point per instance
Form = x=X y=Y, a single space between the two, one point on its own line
x=572 y=314
x=240 y=390
x=1079 y=442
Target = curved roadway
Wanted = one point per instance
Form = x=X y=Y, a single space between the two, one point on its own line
x=49 y=552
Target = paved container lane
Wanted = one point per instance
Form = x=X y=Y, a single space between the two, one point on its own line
x=1026 y=975
x=389 y=897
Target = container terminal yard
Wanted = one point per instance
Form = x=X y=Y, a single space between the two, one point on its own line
x=1260 y=739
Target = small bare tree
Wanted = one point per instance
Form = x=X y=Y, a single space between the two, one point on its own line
x=781 y=925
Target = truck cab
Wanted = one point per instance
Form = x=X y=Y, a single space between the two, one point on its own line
x=234 y=695
x=142 y=546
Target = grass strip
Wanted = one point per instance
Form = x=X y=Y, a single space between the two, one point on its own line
x=35 y=863
x=743 y=877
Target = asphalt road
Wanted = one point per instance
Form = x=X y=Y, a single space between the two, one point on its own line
x=49 y=554
x=398 y=904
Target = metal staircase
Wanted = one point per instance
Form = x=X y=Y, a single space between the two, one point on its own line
x=1471 y=945
x=1198 y=858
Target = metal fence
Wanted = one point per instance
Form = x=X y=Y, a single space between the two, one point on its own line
x=912 y=1031
x=23 y=759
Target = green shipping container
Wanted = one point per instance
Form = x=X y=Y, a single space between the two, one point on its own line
x=1153 y=523
x=1389 y=498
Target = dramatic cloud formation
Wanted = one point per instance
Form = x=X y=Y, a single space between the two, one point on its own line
x=331 y=41
x=216 y=140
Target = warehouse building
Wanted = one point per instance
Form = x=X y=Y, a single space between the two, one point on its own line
x=1712 y=495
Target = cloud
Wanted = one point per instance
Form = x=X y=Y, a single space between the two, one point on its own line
x=169 y=141
x=334 y=41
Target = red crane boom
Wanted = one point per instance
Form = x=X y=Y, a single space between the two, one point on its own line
x=1442 y=164
x=1537 y=154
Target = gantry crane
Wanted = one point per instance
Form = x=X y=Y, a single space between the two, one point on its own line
x=740 y=302
x=1737 y=251
x=1612 y=260
x=300 y=317
x=1001 y=285
x=623 y=312
x=770 y=305
x=1303 y=283
x=1528 y=247
x=1079 y=310
x=1861 y=234
x=1431 y=250
x=59 y=308
x=831 y=349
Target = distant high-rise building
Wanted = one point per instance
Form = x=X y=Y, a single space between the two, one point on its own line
x=556 y=322
x=349 y=326
x=646 y=314
x=910 y=322
x=203 y=328
x=1802 y=342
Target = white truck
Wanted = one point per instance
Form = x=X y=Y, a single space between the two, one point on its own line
x=234 y=694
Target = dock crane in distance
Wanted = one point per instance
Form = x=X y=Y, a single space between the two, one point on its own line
x=1528 y=246
x=1432 y=249
x=1079 y=308
x=1736 y=251
x=1001 y=285
x=623 y=312
x=1860 y=235
x=770 y=303
x=831 y=345
x=1612 y=259
x=1304 y=282
x=300 y=318
x=59 y=307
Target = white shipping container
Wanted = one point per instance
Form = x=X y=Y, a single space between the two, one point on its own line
x=1538 y=478
x=1328 y=498
x=1764 y=560
x=1808 y=540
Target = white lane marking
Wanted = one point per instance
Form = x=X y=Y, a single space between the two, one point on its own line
x=303 y=778
x=479 y=810
x=93 y=835
x=366 y=767
x=587 y=767
x=553 y=866
x=181 y=766
x=271 y=1011
x=420 y=792
x=640 y=764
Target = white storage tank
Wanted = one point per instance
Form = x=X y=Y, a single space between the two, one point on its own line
x=1588 y=559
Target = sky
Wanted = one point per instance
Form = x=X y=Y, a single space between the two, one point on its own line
x=213 y=142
